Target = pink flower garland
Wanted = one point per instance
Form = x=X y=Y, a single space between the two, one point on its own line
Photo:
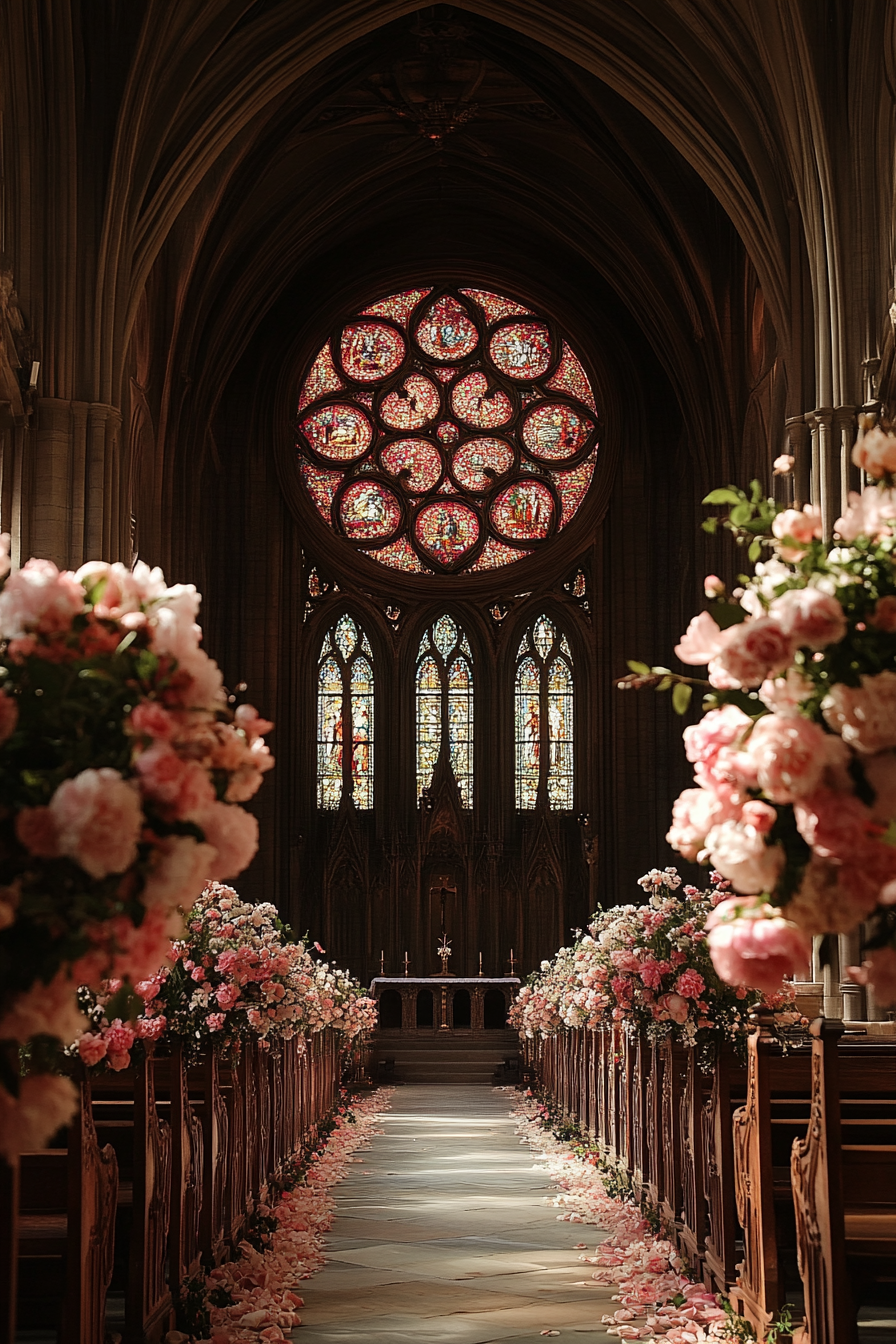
x=645 y=1267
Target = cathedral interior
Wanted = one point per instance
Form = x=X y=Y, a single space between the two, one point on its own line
x=415 y=336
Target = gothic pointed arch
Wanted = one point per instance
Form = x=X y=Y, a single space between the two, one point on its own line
x=345 y=717
x=544 y=718
x=444 y=706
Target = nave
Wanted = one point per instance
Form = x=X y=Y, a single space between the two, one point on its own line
x=442 y=1235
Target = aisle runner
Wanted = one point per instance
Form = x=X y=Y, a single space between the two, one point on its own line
x=657 y=1301
x=260 y=1286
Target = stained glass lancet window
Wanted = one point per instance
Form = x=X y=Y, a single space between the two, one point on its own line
x=345 y=717
x=445 y=705
x=543 y=719
x=445 y=430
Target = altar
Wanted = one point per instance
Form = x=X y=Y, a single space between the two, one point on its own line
x=431 y=1004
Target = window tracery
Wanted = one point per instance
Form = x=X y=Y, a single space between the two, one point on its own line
x=447 y=429
x=345 y=723
x=544 y=719
x=444 y=703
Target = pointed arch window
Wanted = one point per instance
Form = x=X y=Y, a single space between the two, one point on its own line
x=345 y=717
x=543 y=719
x=444 y=686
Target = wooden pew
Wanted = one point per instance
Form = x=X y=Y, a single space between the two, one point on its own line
x=693 y=1226
x=726 y=1093
x=674 y=1058
x=844 y=1180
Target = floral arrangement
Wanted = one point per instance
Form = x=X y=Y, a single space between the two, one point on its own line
x=122 y=770
x=794 y=796
x=235 y=976
x=647 y=967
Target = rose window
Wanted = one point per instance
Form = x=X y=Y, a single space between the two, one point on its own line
x=445 y=430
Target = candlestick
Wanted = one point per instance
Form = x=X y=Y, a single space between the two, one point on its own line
x=405 y=963
x=382 y=972
x=512 y=963
x=480 y=963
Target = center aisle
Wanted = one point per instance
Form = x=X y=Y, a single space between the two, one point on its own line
x=441 y=1236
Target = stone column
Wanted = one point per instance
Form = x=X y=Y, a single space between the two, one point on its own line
x=825 y=466
x=850 y=954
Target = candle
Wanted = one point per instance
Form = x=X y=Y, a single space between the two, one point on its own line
x=480 y=963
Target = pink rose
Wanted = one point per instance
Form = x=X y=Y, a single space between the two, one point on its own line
x=740 y=853
x=44 y=1010
x=701 y=641
x=91 y=1048
x=39 y=597
x=675 y=1006
x=695 y=812
x=791 y=755
x=215 y=1021
x=9 y=717
x=754 y=945
x=761 y=816
x=118 y=1060
x=799 y=526
x=753 y=650
x=180 y=789
x=36 y=830
x=784 y=695
x=247 y=718
x=836 y=825
x=98 y=819
x=719 y=728
x=150 y=1028
x=150 y=719
x=870 y=514
x=179 y=865
x=811 y=618
x=875 y=453
x=234 y=834
x=878 y=971
x=119 y=1037
x=227 y=996
x=865 y=716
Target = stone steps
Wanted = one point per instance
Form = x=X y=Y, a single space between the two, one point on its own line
x=445 y=1059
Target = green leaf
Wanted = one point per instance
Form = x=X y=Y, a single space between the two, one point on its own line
x=660 y=671
x=681 y=697
x=126 y=642
x=728 y=495
x=710 y=525
x=726 y=614
x=664 y=684
x=755 y=491
x=641 y=668
x=741 y=513
x=755 y=550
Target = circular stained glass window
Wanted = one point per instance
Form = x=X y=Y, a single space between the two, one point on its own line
x=446 y=430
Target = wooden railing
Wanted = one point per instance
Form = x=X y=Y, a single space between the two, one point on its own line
x=775 y=1178
x=154 y=1179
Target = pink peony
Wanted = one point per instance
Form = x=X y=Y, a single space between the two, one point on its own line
x=740 y=853
x=875 y=453
x=98 y=819
x=801 y=526
x=865 y=716
x=836 y=825
x=879 y=971
x=234 y=834
x=9 y=717
x=92 y=1048
x=753 y=945
x=179 y=789
x=39 y=597
x=754 y=649
x=811 y=618
x=791 y=755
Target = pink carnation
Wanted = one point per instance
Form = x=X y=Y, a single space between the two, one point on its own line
x=790 y=755
x=150 y=1028
x=98 y=820
x=754 y=945
x=227 y=996
x=799 y=525
x=39 y=597
x=150 y=719
x=690 y=984
x=675 y=1005
x=865 y=715
x=215 y=1021
x=719 y=728
x=179 y=789
x=695 y=812
x=92 y=1048
x=809 y=617
x=836 y=825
